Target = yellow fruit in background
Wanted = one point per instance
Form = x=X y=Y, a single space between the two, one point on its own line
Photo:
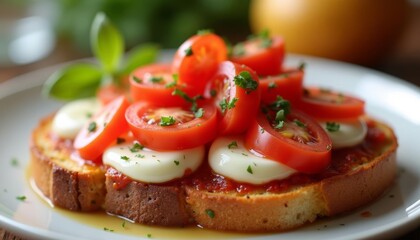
x=357 y=31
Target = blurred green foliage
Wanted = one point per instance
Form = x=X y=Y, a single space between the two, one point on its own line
x=166 y=22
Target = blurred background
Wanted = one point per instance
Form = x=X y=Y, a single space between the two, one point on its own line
x=380 y=34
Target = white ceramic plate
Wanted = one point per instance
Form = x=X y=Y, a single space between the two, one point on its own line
x=389 y=99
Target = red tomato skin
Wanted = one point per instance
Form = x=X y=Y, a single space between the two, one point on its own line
x=288 y=85
x=176 y=137
x=196 y=70
x=267 y=61
x=158 y=94
x=262 y=138
x=238 y=119
x=350 y=108
x=108 y=93
x=110 y=124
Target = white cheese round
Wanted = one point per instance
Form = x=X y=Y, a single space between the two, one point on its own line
x=151 y=166
x=350 y=133
x=236 y=162
x=72 y=117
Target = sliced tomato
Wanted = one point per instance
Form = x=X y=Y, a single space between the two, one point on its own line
x=288 y=85
x=236 y=92
x=298 y=142
x=174 y=128
x=155 y=83
x=263 y=54
x=197 y=59
x=113 y=90
x=110 y=92
x=326 y=104
x=104 y=128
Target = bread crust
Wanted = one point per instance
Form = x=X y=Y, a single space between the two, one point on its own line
x=80 y=187
x=148 y=204
x=64 y=181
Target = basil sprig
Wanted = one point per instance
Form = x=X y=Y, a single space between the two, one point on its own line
x=82 y=79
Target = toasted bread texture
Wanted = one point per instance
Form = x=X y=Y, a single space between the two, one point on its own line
x=66 y=181
x=73 y=185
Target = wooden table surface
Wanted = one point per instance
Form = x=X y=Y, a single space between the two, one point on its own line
x=403 y=62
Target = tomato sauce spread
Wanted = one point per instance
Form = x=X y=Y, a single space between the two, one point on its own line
x=343 y=161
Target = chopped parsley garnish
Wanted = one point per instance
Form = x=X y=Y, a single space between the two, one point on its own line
x=266 y=42
x=176 y=162
x=280 y=103
x=199 y=113
x=174 y=82
x=238 y=50
x=224 y=105
x=137 y=80
x=92 y=127
x=136 y=147
x=14 y=162
x=264 y=36
x=272 y=85
x=233 y=144
x=281 y=108
x=156 y=79
x=210 y=213
x=108 y=229
x=280 y=117
x=193 y=100
x=204 y=31
x=299 y=123
x=302 y=66
x=123 y=224
x=167 y=121
x=125 y=158
x=249 y=169
x=149 y=235
x=89 y=115
x=245 y=81
x=332 y=126
x=21 y=198
x=139 y=156
x=213 y=92
x=120 y=140
x=188 y=52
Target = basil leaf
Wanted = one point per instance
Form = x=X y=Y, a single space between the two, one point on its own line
x=139 y=56
x=106 y=42
x=79 y=80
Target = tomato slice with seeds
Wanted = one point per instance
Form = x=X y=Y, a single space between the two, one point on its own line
x=173 y=128
x=263 y=54
x=237 y=96
x=299 y=142
x=104 y=128
x=326 y=104
x=155 y=83
x=288 y=85
x=197 y=59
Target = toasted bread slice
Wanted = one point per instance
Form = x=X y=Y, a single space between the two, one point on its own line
x=353 y=187
x=347 y=185
x=67 y=182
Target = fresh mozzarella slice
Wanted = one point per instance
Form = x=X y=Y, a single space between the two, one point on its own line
x=229 y=157
x=72 y=117
x=151 y=166
x=349 y=133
